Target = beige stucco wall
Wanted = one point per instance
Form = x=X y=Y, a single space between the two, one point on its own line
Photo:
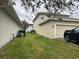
x=38 y=21
x=45 y=29
x=8 y=27
x=53 y=29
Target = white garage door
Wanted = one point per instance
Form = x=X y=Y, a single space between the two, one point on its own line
x=61 y=28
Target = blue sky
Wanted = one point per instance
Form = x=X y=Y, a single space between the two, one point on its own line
x=28 y=16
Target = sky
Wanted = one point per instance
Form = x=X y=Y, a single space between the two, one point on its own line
x=28 y=16
x=23 y=15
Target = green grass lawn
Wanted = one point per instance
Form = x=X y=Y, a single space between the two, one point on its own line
x=38 y=47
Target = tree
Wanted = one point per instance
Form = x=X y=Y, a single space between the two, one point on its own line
x=25 y=24
x=54 y=6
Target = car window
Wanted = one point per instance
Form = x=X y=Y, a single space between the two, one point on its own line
x=76 y=29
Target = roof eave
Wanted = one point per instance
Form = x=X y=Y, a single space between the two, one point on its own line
x=9 y=9
x=77 y=21
x=46 y=13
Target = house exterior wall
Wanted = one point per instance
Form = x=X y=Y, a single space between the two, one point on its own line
x=8 y=27
x=38 y=21
x=53 y=29
x=47 y=30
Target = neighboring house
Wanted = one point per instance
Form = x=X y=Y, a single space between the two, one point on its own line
x=9 y=22
x=53 y=26
x=29 y=28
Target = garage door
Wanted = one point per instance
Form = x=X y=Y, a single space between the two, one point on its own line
x=61 y=28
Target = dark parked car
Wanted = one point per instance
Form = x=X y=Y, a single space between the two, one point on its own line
x=21 y=33
x=72 y=34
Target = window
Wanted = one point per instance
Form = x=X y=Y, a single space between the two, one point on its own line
x=76 y=29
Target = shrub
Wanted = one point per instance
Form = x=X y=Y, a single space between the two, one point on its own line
x=33 y=31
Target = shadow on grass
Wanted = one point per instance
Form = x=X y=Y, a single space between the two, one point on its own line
x=75 y=42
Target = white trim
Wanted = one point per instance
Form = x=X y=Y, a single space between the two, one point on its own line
x=67 y=24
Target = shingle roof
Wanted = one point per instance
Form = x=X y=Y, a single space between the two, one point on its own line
x=66 y=18
x=47 y=13
x=63 y=20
